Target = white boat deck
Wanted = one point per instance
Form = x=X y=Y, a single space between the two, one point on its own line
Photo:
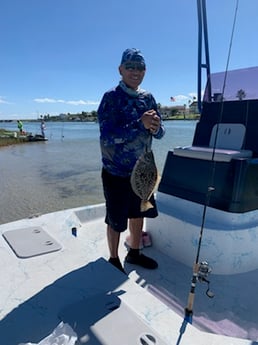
x=39 y=292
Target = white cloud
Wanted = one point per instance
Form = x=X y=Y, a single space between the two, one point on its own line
x=191 y=96
x=2 y=100
x=181 y=98
x=194 y=94
x=52 y=100
x=48 y=100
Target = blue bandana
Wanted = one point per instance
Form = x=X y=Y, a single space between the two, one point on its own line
x=131 y=92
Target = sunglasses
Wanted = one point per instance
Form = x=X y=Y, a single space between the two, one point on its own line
x=130 y=66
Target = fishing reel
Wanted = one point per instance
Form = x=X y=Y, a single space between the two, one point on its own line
x=203 y=273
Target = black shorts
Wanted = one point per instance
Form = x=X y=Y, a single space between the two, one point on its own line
x=122 y=203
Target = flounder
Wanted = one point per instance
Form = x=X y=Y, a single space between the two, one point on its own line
x=145 y=179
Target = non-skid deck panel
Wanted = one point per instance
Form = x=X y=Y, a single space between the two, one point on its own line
x=31 y=241
x=90 y=213
x=104 y=319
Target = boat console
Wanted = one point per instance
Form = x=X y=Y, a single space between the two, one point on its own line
x=213 y=183
x=224 y=152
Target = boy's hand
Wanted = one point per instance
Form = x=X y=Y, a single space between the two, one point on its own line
x=151 y=121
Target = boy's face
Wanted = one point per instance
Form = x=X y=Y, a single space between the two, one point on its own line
x=132 y=74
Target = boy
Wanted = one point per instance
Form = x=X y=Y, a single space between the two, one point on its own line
x=128 y=119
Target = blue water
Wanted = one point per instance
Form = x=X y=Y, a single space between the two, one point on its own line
x=64 y=172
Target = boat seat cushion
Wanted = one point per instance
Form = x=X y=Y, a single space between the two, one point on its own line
x=228 y=139
x=220 y=155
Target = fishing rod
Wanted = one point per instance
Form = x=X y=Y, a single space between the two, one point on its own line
x=202 y=270
x=202 y=36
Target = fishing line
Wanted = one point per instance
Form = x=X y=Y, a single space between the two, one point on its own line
x=230 y=48
x=198 y=267
x=62 y=131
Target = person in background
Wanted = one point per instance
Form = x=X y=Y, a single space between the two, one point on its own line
x=43 y=128
x=20 y=126
x=128 y=119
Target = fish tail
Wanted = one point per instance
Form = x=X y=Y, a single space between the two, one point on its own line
x=146 y=205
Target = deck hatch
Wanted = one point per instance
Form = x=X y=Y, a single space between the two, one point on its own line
x=29 y=242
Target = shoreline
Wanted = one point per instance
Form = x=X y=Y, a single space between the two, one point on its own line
x=12 y=137
x=8 y=138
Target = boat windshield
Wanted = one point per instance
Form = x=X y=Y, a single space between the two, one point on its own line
x=241 y=84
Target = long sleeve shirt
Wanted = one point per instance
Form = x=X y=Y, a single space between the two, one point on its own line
x=123 y=137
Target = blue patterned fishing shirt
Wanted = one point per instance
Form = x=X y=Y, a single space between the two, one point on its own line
x=123 y=137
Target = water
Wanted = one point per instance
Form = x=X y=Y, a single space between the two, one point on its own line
x=64 y=172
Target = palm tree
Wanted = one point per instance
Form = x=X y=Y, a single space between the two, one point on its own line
x=240 y=94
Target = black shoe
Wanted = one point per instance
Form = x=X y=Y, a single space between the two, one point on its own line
x=116 y=262
x=141 y=260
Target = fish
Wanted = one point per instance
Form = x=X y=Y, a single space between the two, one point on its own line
x=145 y=179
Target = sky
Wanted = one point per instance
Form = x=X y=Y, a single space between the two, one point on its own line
x=60 y=56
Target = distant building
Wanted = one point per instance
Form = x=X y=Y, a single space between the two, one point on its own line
x=63 y=116
x=173 y=111
x=193 y=108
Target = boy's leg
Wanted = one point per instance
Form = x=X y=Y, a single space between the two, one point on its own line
x=135 y=228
